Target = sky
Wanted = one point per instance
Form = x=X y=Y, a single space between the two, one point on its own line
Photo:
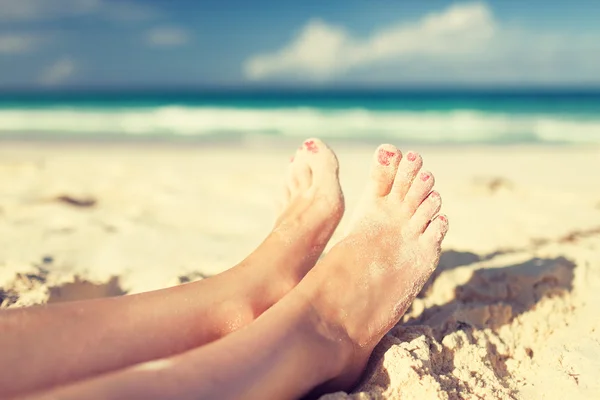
x=189 y=43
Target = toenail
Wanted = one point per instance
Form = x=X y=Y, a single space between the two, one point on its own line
x=411 y=156
x=292 y=158
x=443 y=218
x=311 y=146
x=385 y=156
x=425 y=176
x=435 y=194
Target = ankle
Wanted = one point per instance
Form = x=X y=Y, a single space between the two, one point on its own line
x=325 y=329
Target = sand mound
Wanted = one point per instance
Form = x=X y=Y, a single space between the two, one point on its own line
x=481 y=331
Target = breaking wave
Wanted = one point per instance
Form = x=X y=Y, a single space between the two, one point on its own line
x=456 y=126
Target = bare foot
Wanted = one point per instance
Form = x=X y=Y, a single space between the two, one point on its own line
x=312 y=208
x=313 y=201
x=367 y=281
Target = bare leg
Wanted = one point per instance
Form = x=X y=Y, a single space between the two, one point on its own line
x=320 y=336
x=51 y=345
x=280 y=355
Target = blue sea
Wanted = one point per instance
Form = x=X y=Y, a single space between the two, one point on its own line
x=421 y=116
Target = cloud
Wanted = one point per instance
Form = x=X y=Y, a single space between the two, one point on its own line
x=167 y=37
x=17 y=43
x=463 y=42
x=31 y=10
x=58 y=72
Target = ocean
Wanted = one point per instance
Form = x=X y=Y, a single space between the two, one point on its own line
x=419 y=116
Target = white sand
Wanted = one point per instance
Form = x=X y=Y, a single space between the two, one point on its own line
x=512 y=312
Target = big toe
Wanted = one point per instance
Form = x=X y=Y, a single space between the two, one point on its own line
x=321 y=161
x=383 y=170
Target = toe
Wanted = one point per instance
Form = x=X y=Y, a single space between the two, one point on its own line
x=425 y=212
x=418 y=191
x=302 y=174
x=385 y=165
x=436 y=230
x=283 y=200
x=407 y=170
x=313 y=146
x=293 y=184
x=322 y=162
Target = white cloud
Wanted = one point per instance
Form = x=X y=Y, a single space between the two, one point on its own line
x=58 y=72
x=17 y=43
x=463 y=42
x=28 y=10
x=167 y=37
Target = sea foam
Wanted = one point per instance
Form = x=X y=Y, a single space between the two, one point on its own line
x=456 y=126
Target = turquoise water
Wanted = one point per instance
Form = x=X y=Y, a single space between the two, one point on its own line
x=425 y=116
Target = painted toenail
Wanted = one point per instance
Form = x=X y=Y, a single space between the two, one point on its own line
x=443 y=219
x=384 y=157
x=425 y=176
x=311 y=146
x=411 y=156
x=292 y=158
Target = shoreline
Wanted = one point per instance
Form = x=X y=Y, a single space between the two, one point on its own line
x=266 y=141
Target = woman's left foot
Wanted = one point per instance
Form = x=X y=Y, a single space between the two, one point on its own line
x=313 y=207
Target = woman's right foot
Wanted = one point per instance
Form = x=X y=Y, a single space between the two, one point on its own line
x=365 y=284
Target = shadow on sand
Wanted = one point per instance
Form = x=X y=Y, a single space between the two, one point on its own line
x=81 y=289
x=37 y=281
x=490 y=299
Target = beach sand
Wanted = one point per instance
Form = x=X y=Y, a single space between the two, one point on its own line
x=511 y=312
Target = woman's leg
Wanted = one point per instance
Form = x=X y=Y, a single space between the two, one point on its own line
x=320 y=336
x=50 y=345
x=280 y=355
